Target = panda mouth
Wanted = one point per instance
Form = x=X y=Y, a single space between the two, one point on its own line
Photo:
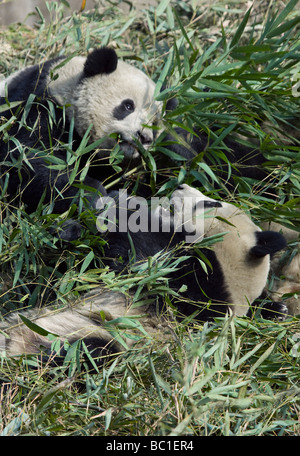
x=129 y=150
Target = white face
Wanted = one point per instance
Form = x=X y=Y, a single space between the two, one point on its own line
x=245 y=277
x=121 y=102
x=205 y=214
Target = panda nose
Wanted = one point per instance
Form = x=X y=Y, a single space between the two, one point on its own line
x=144 y=137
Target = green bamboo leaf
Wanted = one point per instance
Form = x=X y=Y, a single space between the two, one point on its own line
x=223 y=135
x=284 y=13
x=156 y=382
x=6 y=107
x=14 y=426
x=240 y=29
x=262 y=358
x=170 y=18
x=208 y=170
x=35 y=328
x=246 y=356
x=182 y=28
x=108 y=416
x=124 y=28
x=287 y=26
x=87 y=262
x=252 y=48
x=125 y=323
x=72 y=357
x=27 y=108
x=18 y=268
x=198 y=385
x=162 y=6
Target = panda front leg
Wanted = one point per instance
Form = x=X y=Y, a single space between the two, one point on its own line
x=269 y=309
x=36 y=182
x=71 y=230
x=42 y=184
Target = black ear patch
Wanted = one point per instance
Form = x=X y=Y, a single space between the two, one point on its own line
x=268 y=243
x=100 y=61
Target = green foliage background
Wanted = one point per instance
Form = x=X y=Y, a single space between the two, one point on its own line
x=237 y=376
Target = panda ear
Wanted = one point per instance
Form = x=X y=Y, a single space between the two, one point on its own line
x=100 y=61
x=267 y=243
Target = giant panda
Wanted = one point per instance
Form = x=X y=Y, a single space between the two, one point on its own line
x=56 y=108
x=235 y=275
x=246 y=172
x=237 y=267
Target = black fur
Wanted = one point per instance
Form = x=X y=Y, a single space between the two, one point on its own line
x=269 y=310
x=207 y=204
x=246 y=162
x=100 y=61
x=274 y=309
x=203 y=288
x=124 y=109
x=100 y=349
x=25 y=156
x=31 y=80
x=268 y=243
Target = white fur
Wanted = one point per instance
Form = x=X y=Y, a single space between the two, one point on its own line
x=94 y=99
x=5 y=82
x=245 y=280
x=83 y=319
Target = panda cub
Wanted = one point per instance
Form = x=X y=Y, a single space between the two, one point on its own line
x=236 y=268
x=56 y=106
x=236 y=274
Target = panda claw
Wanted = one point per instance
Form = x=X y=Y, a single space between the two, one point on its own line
x=275 y=310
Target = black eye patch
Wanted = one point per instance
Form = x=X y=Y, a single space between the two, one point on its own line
x=206 y=204
x=124 y=109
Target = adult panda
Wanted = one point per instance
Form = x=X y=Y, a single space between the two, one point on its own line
x=237 y=274
x=50 y=109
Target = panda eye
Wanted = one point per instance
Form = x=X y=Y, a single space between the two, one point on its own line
x=124 y=109
x=128 y=105
x=207 y=204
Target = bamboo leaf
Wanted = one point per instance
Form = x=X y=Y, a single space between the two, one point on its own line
x=162 y=6
x=262 y=358
x=287 y=26
x=87 y=262
x=240 y=29
x=35 y=328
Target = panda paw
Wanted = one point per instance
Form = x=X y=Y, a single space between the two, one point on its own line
x=275 y=310
x=70 y=230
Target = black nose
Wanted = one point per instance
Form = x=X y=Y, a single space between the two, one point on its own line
x=144 y=138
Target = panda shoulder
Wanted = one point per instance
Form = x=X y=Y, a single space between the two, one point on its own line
x=31 y=79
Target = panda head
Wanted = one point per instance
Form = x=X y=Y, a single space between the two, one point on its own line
x=244 y=251
x=111 y=96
